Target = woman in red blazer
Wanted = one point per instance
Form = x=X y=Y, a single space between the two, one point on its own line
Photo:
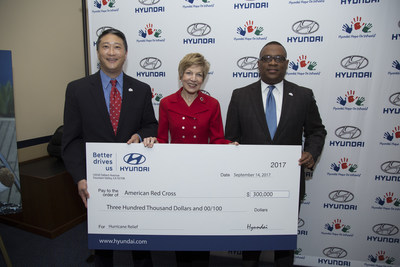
x=190 y=117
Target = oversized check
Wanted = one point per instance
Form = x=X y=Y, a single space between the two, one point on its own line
x=192 y=197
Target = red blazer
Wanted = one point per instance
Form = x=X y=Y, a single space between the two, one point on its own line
x=199 y=123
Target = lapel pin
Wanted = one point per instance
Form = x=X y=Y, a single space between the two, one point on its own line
x=290 y=94
x=130 y=90
x=201 y=98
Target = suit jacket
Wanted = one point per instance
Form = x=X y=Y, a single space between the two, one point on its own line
x=199 y=123
x=86 y=118
x=246 y=122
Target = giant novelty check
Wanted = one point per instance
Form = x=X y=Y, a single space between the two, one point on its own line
x=192 y=197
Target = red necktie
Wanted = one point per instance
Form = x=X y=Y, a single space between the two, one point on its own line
x=115 y=105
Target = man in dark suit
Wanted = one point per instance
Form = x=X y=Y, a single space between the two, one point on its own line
x=87 y=118
x=295 y=116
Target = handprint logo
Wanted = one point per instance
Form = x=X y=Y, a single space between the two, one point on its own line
x=380 y=201
x=335 y=167
x=312 y=65
x=357 y=23
x=347 y=28
x=298 y=251
x=258 y=31
x=353 y=168
x=389 y=197
x=337 y=224
x=360 y=101
x=367 y=28
x=303 y=61
x=342 y=101
x=396 y=131
x=388 y=136
x=249 y=26
x=381 y=255
x=241 y=31
x=350 y=96
x=343 y=163
x=396 y=64
x=142 y=33
x=346 y=228
x=293 y=65
x=329 y=227
x=157 y=33
x=149 y=28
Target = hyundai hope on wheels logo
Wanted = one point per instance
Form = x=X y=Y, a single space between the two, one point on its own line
x=341 y=196
x=149 y=2
x=150 y=63
x=385 y=229
x=354 y=62
x=348 y=132
x=199 y=29
x=305 y=27
x=247 y=63
x=134 y=158
x=335 y=252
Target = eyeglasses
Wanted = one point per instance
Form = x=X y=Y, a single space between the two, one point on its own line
x=268 y=58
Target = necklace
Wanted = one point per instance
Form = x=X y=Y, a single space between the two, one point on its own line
x=188 y=99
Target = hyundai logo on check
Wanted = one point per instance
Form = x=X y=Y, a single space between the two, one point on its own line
x=134 y=158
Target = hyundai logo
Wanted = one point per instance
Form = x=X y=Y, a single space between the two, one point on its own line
x=150 y=63
x=395 y=99
x=205 y=92
x=300 y=223
x=247 y=63
x=305 y=27
x=385 y=229
x=149 y=2
x=134 y=158
x=335 y=252
x=199 y=29
x=102 y=29
x=341 y=196
x=391 y=167
x=354 y=62
x=348 y=132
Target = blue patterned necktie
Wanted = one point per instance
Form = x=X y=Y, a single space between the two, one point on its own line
x=270 y=111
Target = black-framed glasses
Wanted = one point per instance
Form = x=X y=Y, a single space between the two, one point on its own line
x=268 y=58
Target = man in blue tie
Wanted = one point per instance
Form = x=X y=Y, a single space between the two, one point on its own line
x=273 y=111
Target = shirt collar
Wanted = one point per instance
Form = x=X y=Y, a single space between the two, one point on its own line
x=105 y=80
x=278 y=86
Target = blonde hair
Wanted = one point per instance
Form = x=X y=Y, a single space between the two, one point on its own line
x=193 y=59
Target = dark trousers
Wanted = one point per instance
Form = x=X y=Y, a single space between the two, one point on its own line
x=105 y=258
x=283 y=258
x=192 y=258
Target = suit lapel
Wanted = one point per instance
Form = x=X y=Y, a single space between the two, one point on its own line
x=288 y=98
x=100 y=102
x=258 y=105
